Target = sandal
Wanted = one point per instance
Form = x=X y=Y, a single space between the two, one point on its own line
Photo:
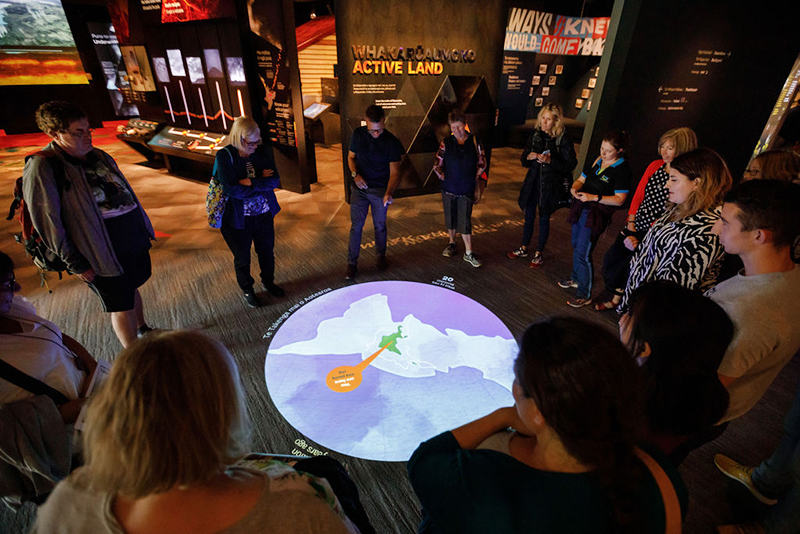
x=605 y=306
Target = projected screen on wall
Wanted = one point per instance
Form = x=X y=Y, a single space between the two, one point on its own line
x=36 y=45
x=185 y=10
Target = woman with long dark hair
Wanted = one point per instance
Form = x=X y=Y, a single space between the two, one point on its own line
x=679 y=337
x=569 y=465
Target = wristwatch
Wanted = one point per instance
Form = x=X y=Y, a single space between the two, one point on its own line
x=599 y=198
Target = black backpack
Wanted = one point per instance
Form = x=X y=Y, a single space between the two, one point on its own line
x=44 y=258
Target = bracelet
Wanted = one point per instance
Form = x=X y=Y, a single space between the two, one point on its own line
x=599 y=198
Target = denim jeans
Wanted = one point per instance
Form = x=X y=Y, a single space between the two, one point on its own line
x=779 y=476
x=544 y=226
x=258 y=231
x=582 y=248
x=361 y=200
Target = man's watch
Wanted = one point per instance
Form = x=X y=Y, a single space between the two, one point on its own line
x=353 y=174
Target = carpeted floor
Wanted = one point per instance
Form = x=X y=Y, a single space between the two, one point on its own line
x=193 y=286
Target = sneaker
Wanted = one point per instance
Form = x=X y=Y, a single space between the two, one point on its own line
x=274 y=290
x=252 y=299
x=536 y=261
x=579 y=303
x=521 y=252
x=742 y=474
x=449 y=250
x=351 y=271
x=472 y=259
x=568 y=284
x=383 y=263
x=145 y=329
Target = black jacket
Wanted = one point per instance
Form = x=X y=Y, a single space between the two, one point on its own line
x=545 y=182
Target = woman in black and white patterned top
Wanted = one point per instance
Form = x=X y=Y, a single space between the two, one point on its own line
x=648 y=204
x=680 y=245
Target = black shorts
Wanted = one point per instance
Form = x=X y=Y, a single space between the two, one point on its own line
x=457 y=213
x=118 y=292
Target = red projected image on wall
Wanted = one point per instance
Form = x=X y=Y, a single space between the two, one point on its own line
x=188 y=10
x=36 y=45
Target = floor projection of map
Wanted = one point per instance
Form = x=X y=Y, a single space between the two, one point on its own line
x=374 y=369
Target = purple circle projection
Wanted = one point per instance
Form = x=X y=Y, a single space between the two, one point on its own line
x=444 y=360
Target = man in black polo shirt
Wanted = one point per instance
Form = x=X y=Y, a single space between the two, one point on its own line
x=374 y=162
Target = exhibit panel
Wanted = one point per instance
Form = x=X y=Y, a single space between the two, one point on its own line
x=716 y=67
x=396 y=55
x=202 y=65
x=549 y=58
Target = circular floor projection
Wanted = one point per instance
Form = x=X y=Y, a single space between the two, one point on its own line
x=372 y=370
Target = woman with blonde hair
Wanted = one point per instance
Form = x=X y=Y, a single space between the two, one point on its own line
x=247 y=172
x=648 y=204
x=161 y=439
x=774 y=165
x=550 y=158
x=680 y=246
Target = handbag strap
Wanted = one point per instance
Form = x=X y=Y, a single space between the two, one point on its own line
x=29 y=383
x=672 y=506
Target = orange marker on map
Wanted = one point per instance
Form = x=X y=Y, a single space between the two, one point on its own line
x=347 y=377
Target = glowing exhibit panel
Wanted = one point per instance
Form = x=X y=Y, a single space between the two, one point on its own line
x=372 y=370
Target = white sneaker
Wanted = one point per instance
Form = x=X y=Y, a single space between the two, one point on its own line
x=472 y=259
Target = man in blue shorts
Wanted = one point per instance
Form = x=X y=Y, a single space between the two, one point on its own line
x=87 y=213
x=374 y=162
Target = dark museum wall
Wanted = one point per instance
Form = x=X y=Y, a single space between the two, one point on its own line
x=714 y=66
x=416 y=103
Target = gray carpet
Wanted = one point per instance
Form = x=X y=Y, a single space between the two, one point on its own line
x=193 y=286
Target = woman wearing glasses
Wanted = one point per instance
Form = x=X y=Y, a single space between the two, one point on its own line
x=246 y=170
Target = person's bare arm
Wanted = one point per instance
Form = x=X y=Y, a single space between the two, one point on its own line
x=394 y=177
x=351 y=164
x=472 y=434
x=88 y=363
x=617 y=199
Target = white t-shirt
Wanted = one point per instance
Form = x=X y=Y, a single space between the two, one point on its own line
x=765 y=310
x=38 y=352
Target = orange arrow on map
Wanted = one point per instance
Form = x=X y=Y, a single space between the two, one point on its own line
x=347 y=377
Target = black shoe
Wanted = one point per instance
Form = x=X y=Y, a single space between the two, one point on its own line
x=252 y=299
x=351 y=271
x=274 y=289
x=383 y=264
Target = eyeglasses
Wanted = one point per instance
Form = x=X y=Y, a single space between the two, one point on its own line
x=9 y=285
x=80 y=134
x=251 y=144
x=752 y=172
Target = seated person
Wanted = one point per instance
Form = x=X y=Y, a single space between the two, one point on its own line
x=679 y=338
x=43 y=377
x=569 y=465
x=161 y=440
x=760 y=223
